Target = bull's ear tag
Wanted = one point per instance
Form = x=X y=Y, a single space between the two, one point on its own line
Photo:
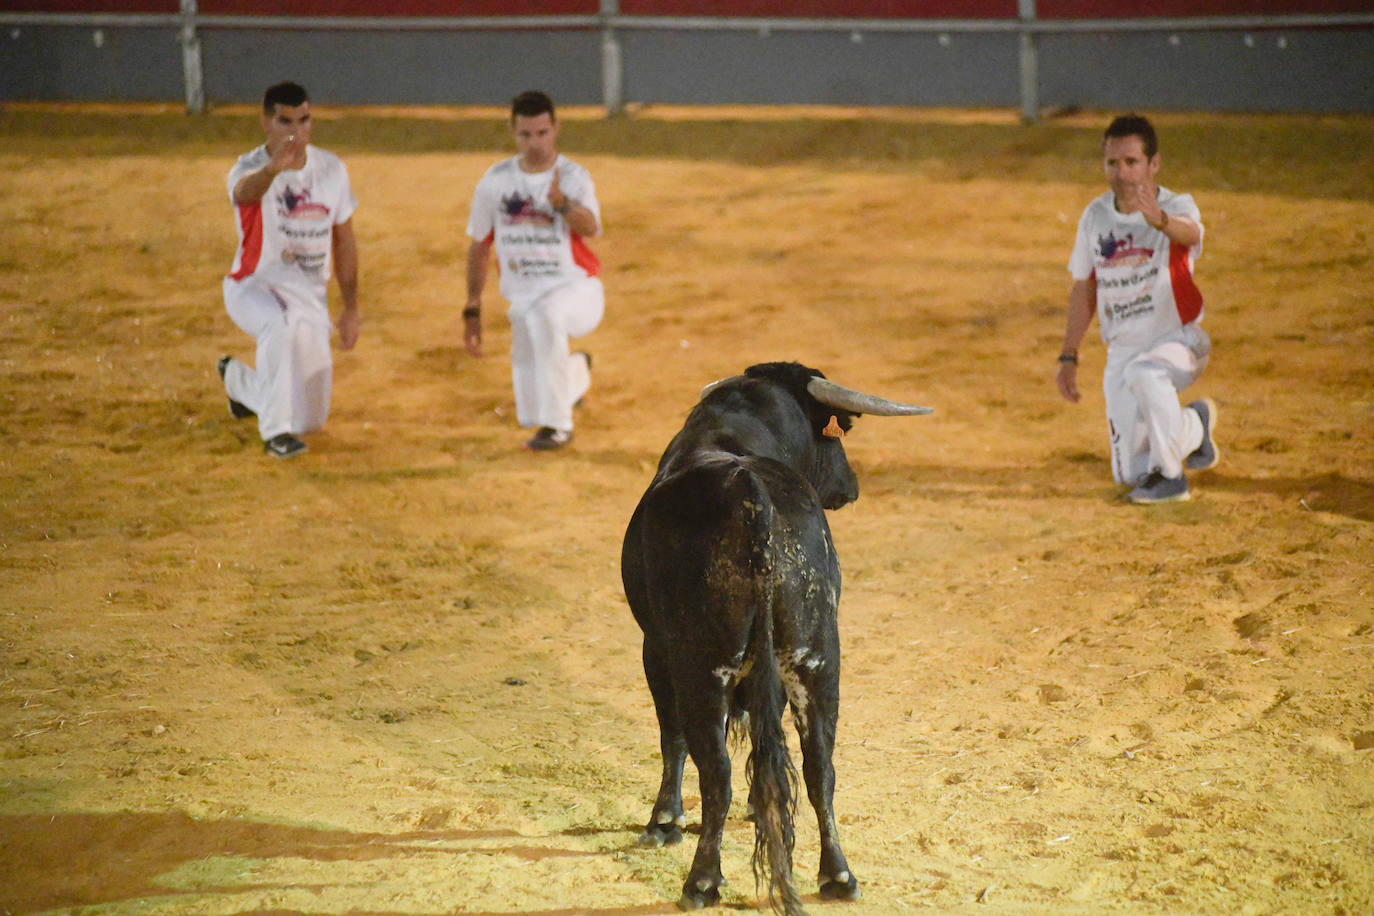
x=832 y=429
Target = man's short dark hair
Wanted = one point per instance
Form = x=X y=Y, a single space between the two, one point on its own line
x=289 y=95
x=1134 y=125
x=532 y=104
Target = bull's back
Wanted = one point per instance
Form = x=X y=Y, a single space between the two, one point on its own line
x=712 y=545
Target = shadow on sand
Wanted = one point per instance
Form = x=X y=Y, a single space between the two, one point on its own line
x=50 y=862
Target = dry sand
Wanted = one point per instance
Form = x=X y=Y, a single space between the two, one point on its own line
x=398 y=674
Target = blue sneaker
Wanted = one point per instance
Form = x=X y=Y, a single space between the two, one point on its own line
x=1156 y=488
x=1206 y=455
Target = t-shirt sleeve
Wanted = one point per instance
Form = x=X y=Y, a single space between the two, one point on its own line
x=343 y=211
x=1184 y=205
x=481 y=218
x=1081 y=261
x=576 y=182
x=241 y=168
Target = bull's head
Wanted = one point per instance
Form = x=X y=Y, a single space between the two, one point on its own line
x=831 y=410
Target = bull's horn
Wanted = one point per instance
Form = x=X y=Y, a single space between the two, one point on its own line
x=827 y=392
x=717 y=383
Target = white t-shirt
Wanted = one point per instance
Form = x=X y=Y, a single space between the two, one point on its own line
x=536 y=250
x=286 y=238
x=1145 y=285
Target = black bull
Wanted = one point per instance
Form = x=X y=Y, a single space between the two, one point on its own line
x=731 y=573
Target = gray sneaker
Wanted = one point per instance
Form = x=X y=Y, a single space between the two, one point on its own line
x=1156 y=488
x=1207 y=454
x=284 y=445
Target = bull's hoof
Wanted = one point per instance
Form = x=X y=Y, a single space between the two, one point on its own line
x=847 y=889
x=659 y=835
x=693 y=899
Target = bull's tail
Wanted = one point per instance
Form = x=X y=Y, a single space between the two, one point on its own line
x=772 y=777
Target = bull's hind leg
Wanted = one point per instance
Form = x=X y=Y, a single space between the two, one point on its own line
x=666 y=820
x=816 y=725
x=705 y=725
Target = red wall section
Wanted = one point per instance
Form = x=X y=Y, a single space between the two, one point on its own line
x=401 y=7
x=89 y=6
x=315 y=7
x=1133 y=9
x=826 y=9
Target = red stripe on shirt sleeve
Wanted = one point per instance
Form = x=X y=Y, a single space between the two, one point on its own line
x=583 y=256
x=250 y=249
x=1187 y=297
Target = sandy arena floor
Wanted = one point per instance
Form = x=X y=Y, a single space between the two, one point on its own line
x=398 y=675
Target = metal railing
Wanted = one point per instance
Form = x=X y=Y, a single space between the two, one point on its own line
x=611 y=22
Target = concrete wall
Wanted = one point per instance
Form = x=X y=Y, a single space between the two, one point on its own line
x=1314 y=70
x=103 y=64
x=839 y=68
x=430 y=68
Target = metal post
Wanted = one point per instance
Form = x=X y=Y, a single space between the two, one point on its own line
x=612 y=68
x=192 y=73
x=1030 y=66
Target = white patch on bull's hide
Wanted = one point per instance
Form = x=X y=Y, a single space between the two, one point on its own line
x=796 y=693
x=732 y=672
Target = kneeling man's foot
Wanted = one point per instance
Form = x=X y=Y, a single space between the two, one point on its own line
x=284 y=445
x=1156 y=488
x=237 y=410
x=548 y=439
x=1207 y=454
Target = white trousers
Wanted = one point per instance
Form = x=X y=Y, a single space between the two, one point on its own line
x=289 y=385
x=547 y=378
x=1149 y=429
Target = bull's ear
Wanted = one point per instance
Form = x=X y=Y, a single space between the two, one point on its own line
x=832 y=429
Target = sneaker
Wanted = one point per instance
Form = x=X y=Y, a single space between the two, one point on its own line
x=548 y=439
x=284 y=445
x=1206 y=455
x=238 y=411
x=1156 y=488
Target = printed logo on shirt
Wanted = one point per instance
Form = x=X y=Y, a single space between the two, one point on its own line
x=308 y=261
x=298 y=205
x=1122 y=252
x=518 y=209
x=535 y=267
